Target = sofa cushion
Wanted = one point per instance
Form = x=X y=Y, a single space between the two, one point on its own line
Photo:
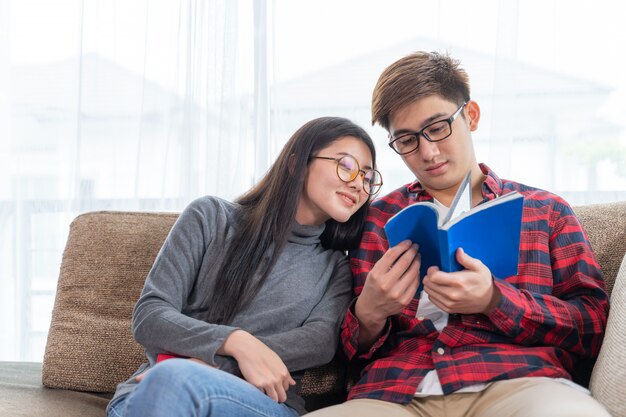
x=106 y=260
x=608 y=378
x=22 y=395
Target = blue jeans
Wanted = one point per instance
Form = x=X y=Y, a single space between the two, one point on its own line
x=179 y=387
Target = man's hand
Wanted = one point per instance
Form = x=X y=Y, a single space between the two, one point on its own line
x=469 y=291
x=259 y=364
x=389 y=288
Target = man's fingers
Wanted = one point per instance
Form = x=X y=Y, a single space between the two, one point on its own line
x=411 y=278
x=404 y=262
x=435 y=291
x=436 y=300
x=467 y=261
x=436 y=278
x=391 y=256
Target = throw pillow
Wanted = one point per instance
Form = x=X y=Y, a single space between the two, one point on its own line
x=106 y=260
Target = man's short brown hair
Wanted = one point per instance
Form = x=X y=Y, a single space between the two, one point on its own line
x=415 y=76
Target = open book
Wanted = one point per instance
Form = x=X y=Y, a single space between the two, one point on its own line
x=489 y=232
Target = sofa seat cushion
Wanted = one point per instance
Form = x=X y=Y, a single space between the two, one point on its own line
x=23 y=395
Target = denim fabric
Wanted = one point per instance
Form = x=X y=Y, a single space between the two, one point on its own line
x=182 y=388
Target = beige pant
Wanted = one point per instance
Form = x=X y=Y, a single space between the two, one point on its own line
x=522 y=397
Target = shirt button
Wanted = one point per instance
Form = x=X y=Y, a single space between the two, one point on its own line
x=420 y=318
x=477 y=321
x=440 y=351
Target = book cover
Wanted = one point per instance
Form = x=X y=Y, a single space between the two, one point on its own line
x=489 y=232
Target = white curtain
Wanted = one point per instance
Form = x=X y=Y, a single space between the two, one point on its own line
x=547 y=75
x=148 y=104
x=114 y=105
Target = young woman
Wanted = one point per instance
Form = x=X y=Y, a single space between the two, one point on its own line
x=246 y=295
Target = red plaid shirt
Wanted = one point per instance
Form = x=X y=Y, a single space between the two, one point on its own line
x=551 y=314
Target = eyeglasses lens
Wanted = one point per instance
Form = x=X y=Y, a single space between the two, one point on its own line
x=347 y=168
x=372 y=182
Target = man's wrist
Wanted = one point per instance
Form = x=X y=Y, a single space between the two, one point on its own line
x=369 y=321
x=494 y=301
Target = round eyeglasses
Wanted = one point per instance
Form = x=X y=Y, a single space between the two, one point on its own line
x=434 y=132
x=348 y=169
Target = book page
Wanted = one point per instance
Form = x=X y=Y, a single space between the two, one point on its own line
x=462 y=199
x=484 y=206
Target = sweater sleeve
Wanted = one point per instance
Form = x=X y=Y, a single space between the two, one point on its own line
x=158 y=322
x=315 y=342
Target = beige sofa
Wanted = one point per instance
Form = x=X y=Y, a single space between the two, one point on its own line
x=108 y=254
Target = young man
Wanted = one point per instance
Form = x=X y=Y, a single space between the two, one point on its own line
x=469 y=344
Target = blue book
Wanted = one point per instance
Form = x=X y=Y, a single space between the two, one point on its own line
x=489 y=232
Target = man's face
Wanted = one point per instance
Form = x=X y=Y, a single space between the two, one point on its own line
x=440 y=166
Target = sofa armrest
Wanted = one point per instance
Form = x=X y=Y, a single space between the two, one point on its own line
x=608 y=379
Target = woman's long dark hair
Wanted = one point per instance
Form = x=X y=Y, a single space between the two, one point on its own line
x=267 y=213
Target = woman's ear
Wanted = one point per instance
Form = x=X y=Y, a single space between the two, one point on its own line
x=473 y=114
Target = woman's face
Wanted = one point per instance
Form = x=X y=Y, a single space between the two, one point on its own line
x=325 y=195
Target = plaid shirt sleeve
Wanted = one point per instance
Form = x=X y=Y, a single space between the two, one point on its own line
x=372 y=247
x=562 y=302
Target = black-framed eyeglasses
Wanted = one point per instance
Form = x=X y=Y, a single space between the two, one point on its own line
x=434 y=132
x=348 y=169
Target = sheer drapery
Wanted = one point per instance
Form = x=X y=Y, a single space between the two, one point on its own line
x=141 y=105
x=545 y=73
x=147 y=104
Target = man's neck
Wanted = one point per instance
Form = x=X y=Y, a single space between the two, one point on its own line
x=446 y=196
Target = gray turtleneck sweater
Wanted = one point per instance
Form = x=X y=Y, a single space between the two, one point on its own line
x=296 y=313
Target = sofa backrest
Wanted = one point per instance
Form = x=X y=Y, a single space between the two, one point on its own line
x=605 y=225
x=107 y=257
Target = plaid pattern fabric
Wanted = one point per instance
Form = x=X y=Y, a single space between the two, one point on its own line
x=552 y=313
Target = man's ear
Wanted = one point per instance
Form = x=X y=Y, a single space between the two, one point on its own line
x=473 y=114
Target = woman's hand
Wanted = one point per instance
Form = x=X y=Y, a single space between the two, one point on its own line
x=259 y=364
